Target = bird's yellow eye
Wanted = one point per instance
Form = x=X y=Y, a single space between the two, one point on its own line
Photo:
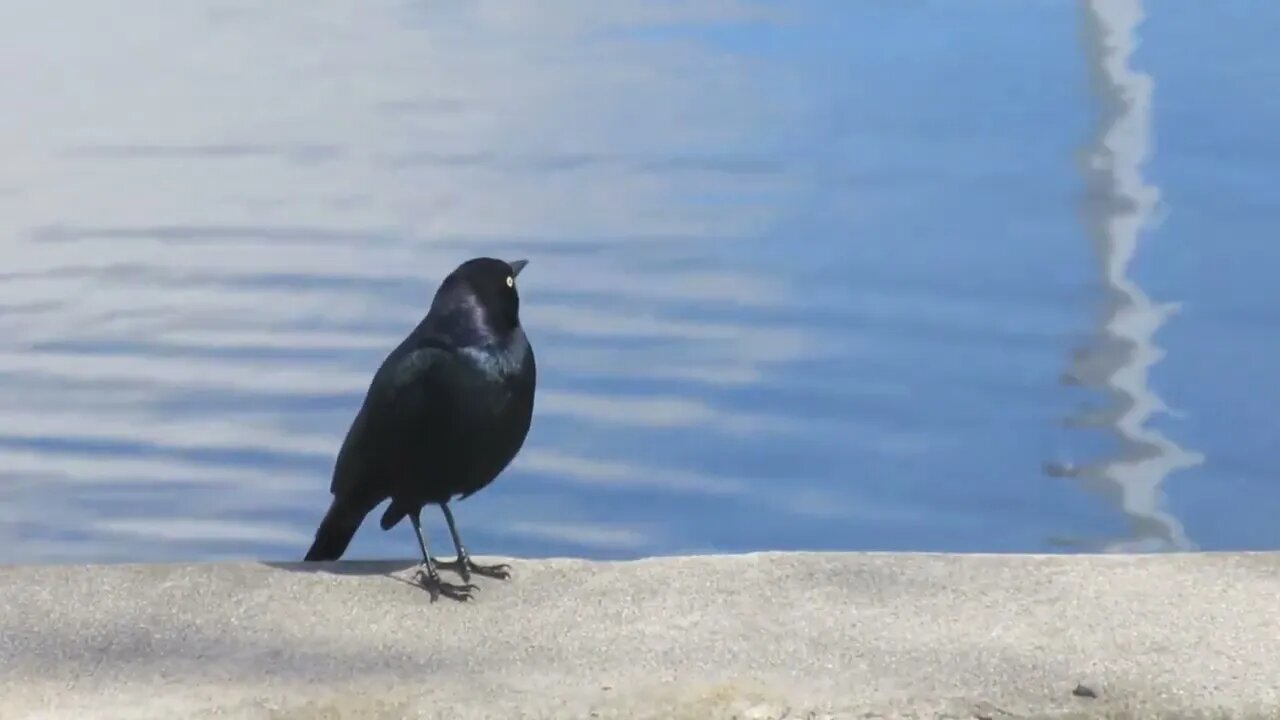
x=511 y=282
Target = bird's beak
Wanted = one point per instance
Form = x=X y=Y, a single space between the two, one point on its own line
x=517 y=266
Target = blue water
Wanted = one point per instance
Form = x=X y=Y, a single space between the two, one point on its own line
x=924 y=275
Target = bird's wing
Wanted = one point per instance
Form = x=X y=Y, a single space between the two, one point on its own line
x=400 y=391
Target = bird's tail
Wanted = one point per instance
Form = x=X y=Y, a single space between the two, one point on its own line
x=338 y=527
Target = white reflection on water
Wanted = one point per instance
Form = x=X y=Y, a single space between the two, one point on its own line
x=212 y=238
x=1118 y=206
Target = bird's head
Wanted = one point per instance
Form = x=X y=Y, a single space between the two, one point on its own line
x=483 y=290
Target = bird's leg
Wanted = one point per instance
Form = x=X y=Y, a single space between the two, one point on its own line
x=464 y=566
x=427 y=574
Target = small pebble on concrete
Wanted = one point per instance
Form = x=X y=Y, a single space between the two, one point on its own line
x=1084 y=691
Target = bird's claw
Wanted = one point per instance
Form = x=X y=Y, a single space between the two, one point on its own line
x=500 y=571
x=431 y=582
x=465 y=567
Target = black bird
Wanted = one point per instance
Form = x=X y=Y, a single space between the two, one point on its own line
x=446 y=412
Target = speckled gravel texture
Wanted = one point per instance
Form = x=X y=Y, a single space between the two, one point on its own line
x=804 y=635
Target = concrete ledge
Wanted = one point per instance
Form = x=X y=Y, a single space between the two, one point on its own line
x=762 y=635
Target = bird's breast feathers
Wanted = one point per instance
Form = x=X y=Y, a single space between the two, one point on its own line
x=500 y=360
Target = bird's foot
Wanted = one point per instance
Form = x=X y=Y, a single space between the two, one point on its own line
x=430 y=581
x=465 y=566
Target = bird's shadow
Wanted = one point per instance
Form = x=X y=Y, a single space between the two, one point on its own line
x=360 y=568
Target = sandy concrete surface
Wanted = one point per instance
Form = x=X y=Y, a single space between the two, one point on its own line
x=748 y=636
